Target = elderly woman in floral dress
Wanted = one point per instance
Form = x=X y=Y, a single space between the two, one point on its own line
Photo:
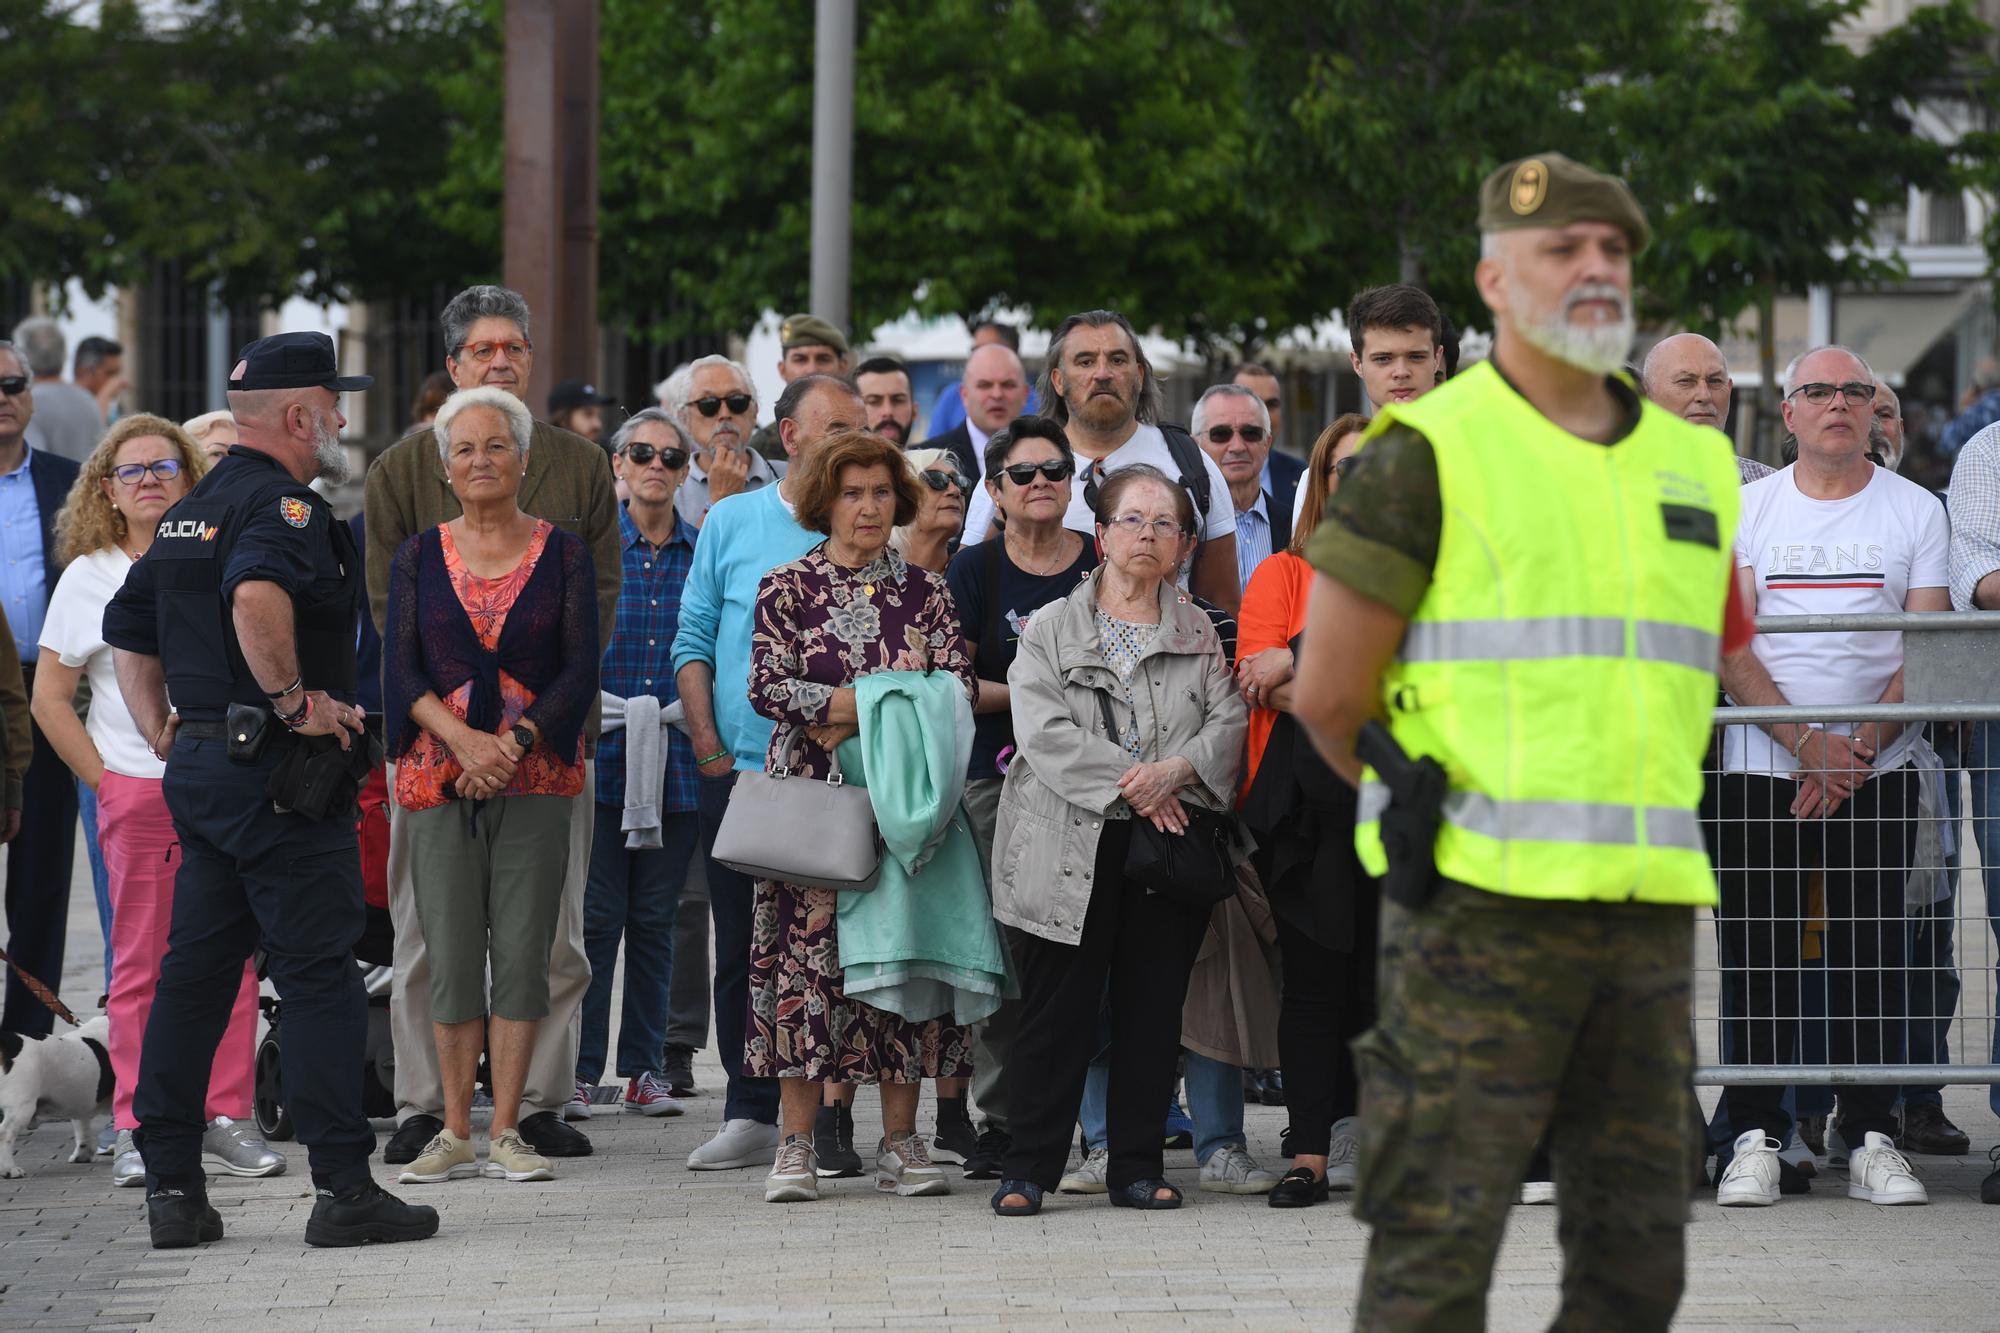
x=851 y=606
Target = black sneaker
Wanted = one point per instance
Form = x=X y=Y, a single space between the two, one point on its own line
x=833 y=1143
x=366 y=1213
x=985 y=1160
x=179 y=1218
x=1253 y=1087
x=955 y=1139
x=548 y=1135
x=677 y=1071
x=1274 y=1087
x=1926 y=1130
x=1989 y=1188
x=407 y=1144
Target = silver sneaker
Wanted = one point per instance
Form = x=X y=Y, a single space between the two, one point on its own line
x=904 y=1168
x=128 y=1169
x=1231 y=1169
x=1343 y=1157
x=237 y=1150
x=794 y=1174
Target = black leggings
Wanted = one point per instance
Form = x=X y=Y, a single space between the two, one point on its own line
x=1763 y=857
x=1329 y=1000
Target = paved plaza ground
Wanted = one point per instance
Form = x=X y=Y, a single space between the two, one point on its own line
x=629 y=1238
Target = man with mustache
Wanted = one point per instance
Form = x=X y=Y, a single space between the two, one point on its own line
x=1517 y=559
x=569 y=483
x=716 y=404
x=884 y=382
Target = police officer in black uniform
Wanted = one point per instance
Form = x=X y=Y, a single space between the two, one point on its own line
x=243 y=614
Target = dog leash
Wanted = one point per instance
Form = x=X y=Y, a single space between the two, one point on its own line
x=35 y=988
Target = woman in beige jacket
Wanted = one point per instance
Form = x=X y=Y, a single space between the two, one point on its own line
x=1065 y=822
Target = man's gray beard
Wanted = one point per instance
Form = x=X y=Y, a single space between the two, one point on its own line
x=1599 y=349
x=329 y=453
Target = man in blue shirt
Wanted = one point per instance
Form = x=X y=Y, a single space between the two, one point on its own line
x=1233 y=427
x=33 y=487
x=646 y=823
x=745 y=537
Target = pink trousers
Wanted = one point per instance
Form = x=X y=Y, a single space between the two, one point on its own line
x=141 y=855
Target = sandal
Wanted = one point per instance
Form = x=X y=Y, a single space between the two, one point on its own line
x=1027 y=1189
x=1144 y=1194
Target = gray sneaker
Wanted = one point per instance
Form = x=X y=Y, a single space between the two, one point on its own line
x=794 y=1174
x=1231 y=1169
x=1092 y=1177
x=904 y=1167
x=128 y=1169
x=107 y=1140
x=237 y=1150
x=1343 y=1158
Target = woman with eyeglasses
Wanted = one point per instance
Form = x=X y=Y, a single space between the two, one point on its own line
x=1129 y=642
x=928 y=540
x=997 y=584
x=1325 y=905
x=141 y=469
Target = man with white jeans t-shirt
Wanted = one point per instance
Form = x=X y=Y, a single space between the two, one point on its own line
x=1831 y=534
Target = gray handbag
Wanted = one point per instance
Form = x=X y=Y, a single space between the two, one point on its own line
x=802 y=830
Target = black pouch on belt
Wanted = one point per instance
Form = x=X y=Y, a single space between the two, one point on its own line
x=249 y=731
x=318 y=780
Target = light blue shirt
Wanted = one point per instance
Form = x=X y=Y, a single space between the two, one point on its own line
x=24 y=586
x=746 y=536
x=1253 y=539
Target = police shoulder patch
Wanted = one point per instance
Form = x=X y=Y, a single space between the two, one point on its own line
x=295 y=511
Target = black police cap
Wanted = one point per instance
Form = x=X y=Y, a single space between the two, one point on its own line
x=292 y=361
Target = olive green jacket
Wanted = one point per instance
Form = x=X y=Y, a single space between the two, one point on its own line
x=569 y=483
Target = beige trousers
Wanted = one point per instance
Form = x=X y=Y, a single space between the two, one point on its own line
x=552 y=1069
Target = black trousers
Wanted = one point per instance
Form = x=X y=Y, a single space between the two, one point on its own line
x=1137 y=949
x=38 y=870
x=250 y=876
x=1329 y=1000
x=1764 y=856
x=731 y=895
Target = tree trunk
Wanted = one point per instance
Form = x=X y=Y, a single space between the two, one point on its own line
x=1764 y=439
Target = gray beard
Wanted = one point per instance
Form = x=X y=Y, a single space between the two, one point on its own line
x=329 y=454
x=1598 y=351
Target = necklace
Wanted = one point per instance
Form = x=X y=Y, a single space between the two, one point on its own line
x=1026 y=568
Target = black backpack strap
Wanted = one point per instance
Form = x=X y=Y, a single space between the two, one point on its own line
x=1189 y=459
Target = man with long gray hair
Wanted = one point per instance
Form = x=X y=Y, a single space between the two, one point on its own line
x=569 y=483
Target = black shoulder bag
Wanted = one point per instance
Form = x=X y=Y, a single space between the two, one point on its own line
x=1192 y=867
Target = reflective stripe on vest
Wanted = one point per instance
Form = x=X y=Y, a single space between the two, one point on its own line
x=1558 y=636
x=1554 y=821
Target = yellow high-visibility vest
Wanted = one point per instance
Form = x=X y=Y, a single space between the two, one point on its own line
x=1562 y=666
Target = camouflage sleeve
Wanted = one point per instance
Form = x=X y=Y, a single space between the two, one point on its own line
x=1380 y=533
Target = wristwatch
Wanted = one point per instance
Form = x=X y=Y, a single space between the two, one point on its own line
x=523 y=737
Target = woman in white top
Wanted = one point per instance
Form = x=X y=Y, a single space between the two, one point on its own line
x=143 y=466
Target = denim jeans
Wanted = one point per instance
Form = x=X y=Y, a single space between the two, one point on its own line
x=100 y=879
x=1214 y=1103
x=1983 y=753
x=633 y=894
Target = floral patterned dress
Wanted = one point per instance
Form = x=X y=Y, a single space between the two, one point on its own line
x=819 y=627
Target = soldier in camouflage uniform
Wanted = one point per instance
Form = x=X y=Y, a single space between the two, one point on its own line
x=812 y=347
x=1555 y=999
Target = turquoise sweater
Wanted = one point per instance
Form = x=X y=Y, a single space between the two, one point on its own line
x=746 y=537
x=922 y=944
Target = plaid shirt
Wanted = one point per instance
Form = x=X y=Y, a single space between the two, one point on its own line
x=640 y=658
x=1974 y=504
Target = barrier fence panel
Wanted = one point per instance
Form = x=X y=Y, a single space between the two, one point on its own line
x=1855 y=941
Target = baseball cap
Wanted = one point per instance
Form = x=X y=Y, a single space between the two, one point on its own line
x=570 y=394
x=292 y=361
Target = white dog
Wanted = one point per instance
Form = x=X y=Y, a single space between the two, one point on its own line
x=66 y=1078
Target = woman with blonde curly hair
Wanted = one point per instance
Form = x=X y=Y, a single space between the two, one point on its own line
x=137 y=473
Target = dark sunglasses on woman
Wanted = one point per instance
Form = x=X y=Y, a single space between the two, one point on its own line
x=937 y=480
x=673 y=460
x=1056 y=469
x=738 y=404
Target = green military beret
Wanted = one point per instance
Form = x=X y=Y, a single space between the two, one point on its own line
x=1549 y=190
x=810 y=331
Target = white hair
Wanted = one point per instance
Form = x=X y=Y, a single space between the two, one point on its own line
x=519 y=423
x=1228 y=390
x=919 y=460
x=673 y=391
x=199 y=427
x=1791 y=376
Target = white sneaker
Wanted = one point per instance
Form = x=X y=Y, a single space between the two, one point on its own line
x=1879 y=1173
x=1093 y=1177
x=737 y=1143
x=1231 y=1169
x=1752 y=1178
x=794 y=1174
x=1800 y=1156
x=1536 y=1193
x=1343 y=1159
x=128 y=1169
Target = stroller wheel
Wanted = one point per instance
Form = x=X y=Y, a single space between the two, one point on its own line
x=274 y=1122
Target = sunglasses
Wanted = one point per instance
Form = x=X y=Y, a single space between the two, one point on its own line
x=673 y=460
x=131 y=474
x=1221 y=434
x=1346 y=465
x=1056 y=469
x=13 y=385
x=937 y=480
x=737 y=403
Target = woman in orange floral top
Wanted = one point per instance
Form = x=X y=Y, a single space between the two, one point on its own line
x=491 y=650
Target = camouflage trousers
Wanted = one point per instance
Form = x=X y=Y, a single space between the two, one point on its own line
x=1501 y=1017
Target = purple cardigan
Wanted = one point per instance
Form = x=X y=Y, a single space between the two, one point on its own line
x=548 y=643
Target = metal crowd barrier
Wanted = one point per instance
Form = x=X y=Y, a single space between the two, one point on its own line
x=1861 y=948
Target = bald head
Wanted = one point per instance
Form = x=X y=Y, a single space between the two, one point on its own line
x=1686 y=374
x=300 y=427
x=1889 y=419
x=994 y=387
